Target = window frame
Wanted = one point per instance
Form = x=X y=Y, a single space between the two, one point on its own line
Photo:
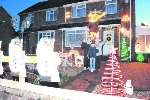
x=27 y=21
x=76 y=11
x=74 y=32
x=48 y=14
x=108 y=3
x=46 y=34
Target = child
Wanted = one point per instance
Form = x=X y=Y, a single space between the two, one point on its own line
x=92 y=56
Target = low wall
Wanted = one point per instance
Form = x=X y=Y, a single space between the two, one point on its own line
x=27 y=91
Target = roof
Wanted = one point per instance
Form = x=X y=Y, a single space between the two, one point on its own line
x=49 y=4
x=3 y=10
x=142 y=30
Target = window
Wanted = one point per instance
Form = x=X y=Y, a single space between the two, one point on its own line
x=74 y=37
x=126 y=1
x=51 y=15
x=79 y=11
x=27 y=22
x=111 y=6
x=46 y=34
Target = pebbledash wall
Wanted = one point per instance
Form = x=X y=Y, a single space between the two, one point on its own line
x=67 y=22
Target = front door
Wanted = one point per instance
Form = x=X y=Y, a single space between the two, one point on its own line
x=108 y=39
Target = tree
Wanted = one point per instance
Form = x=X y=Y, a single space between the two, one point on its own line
x=140 y=57
x=112 y=80
x=124 y=53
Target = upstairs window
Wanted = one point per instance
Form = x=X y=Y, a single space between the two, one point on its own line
x=51 y=15
x=111 y=6
x=27 y=22
x=78 y=11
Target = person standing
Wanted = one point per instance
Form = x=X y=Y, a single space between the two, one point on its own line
x=92 y=56
x=85 y=46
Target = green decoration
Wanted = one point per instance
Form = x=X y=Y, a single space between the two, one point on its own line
x=140 y=57
x=124 y=52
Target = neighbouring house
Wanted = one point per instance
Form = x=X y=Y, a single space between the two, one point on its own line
x=6 y=29
x=66 y=22
x=142 y=39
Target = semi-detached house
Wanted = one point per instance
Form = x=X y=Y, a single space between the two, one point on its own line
x=66 y=22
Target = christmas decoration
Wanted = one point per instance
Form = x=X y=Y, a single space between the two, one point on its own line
x=47 y=60
x=112 y=80
x=124 y=53
x=94 y=18
x=129 y=87
x=140 y=57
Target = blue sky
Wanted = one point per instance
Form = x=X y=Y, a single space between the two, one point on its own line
x=142 y=11
x=15 y=6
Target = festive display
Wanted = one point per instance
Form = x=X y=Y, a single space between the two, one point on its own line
x=124 y=53
x=129 y=87
x=140 y=57
x=48 y=60
x=112 y=80
x=17 y=57
x=125 y=18
x=94 y=18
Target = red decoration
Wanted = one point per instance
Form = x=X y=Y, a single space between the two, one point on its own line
x=112 y=80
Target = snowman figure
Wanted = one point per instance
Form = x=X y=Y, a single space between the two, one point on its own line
x=129 y=87
x=17 y=58
x=47 y=61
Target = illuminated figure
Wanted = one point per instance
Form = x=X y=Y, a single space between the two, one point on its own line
x=47 y=61
x=17 y=58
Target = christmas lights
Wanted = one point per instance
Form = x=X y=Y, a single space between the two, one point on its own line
x=112 y=79
x=140 y=57
x=124 y=53
x=48 y=60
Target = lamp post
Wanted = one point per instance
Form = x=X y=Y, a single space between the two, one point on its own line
x=130 y=29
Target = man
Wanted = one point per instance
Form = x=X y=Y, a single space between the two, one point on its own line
x=85 y=46
x=92 y=56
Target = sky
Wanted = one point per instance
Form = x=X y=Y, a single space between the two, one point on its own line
x=142 y=11
x=15 y=6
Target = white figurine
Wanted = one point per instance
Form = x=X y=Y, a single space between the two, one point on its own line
x=48 y=60
x=17 y=57
x=129 y=87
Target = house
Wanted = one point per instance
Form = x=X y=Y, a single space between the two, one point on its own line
x=6 y=29
x=66 y=21
x=142 y=39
